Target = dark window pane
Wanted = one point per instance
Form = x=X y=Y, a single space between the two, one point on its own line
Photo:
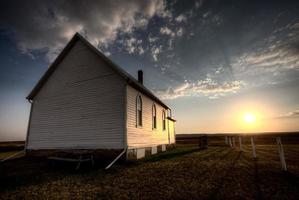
x=139 y=117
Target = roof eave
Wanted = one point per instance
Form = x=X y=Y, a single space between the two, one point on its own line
x=171 y=119
x=148 y=93
x=52 y=67
x=130 y=79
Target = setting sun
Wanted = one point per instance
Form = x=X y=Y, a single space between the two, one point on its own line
x=249 y=118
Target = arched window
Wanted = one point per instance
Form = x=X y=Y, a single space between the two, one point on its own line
x=139 y=111
x=154 y=116
x=163 y=120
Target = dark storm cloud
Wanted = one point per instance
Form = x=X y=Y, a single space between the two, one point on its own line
x=250 y=42
x=193 y=48
x=47 y=25
x=275 y=59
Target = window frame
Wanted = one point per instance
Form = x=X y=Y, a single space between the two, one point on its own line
x=163 y=120
x=154 y=117
x=139 y=109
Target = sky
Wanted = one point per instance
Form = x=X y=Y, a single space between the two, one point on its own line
x=211 y=61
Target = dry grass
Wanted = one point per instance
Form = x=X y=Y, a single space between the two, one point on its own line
x=4 y=155
x=184 y=173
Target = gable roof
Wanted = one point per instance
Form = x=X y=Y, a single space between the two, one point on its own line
x=130 y=79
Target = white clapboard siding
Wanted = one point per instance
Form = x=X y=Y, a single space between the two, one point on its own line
x=81 y=105
x=144 y=136
x=171 y=131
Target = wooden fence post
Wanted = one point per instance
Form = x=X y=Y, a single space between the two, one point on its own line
x=230 y=142
x=253 y=147
x=281 y=154
x=240 y=142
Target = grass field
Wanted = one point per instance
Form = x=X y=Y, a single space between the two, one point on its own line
x=6 y=154
x=184 y=173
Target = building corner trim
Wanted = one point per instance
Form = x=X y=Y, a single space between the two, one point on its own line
x=28 y=126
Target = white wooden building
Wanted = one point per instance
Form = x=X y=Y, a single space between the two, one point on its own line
x=86 y=102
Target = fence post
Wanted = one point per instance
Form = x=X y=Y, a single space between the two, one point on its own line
x=253 y=147
x=240 y=142
x=230 y=142
x=281 y=154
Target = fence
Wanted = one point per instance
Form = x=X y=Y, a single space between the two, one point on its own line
x=273 y=146
x=200 y=141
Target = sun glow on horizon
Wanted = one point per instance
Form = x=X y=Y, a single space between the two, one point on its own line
x=249 y=118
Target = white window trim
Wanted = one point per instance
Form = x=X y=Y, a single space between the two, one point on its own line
x=163 y=120
x=137 y=115
x=153 y=119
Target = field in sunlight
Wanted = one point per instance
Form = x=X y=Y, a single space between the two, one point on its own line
x=184 y=173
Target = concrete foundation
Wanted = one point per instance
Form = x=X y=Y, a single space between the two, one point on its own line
x=138 y=153
x=132 y=153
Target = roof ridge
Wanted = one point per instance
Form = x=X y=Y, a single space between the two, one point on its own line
x=129 y=78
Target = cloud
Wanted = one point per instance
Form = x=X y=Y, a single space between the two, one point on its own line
x=282 y=58
x=172 y=34
x=170 y=42
x=132 y=45
x=152 y=39
x=156 y=50
x=51 y=24
x=219 y=70
x=181 y=18
x=198 y=4
x=167 y=31
x=180 y=32
x=207 y=87
x=273 y=62
x=205 y=15
x=293 y=114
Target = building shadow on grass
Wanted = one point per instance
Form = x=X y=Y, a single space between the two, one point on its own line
x=219 y=185
x=293 y=183
x=291 y=178
x=214 y=165
x=284 y=182
x=31 y=171
x=257 y=180
x=171 y=154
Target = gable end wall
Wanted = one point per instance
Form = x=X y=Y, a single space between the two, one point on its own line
x=81 y=106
